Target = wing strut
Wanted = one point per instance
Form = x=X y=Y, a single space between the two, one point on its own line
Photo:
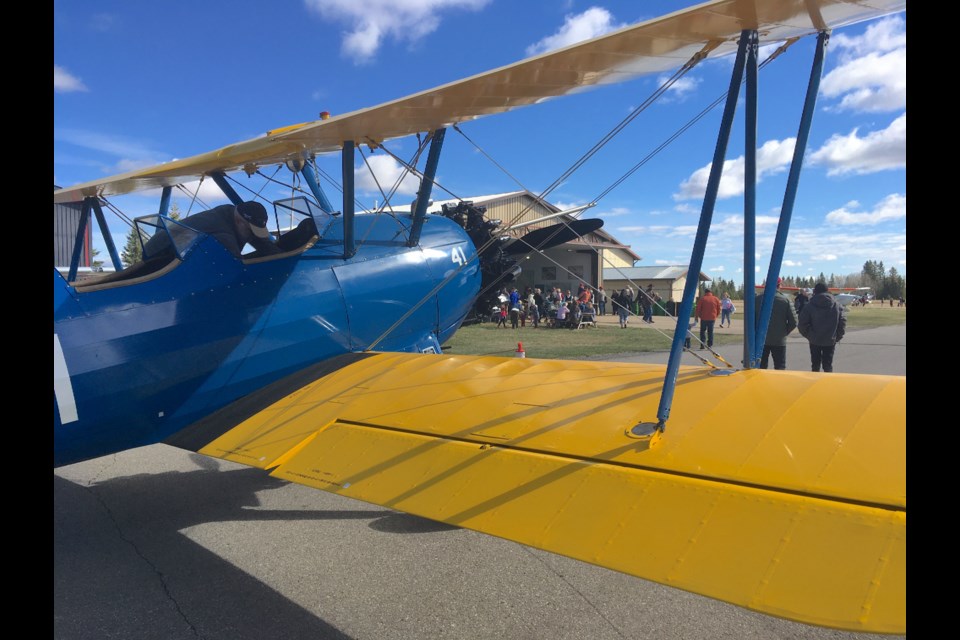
x=750 y=204
x=107 y=237
x=78 y=240
x=165 y=200
x=221 y=179
x=700 y=243
x=426 y=186
x=346 y=166
x=309 y=174
x=789 y=196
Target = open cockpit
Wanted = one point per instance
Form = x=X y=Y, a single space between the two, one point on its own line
x=165 y=242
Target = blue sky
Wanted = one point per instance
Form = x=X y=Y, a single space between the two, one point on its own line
x=135 y=85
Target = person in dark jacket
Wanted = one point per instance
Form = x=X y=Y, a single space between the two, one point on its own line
x=232 y=226
x=823 y=323
x=800 y=298
x=783 y=320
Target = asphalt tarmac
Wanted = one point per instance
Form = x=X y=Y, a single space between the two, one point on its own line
x=882 y=350
x=162 y=543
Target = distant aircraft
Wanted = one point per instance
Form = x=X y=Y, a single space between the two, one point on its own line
x=839 y=293
x=855 y=299
x=779 y=491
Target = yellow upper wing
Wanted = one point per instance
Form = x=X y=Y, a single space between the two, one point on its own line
x=649 y=47
x=780 y=491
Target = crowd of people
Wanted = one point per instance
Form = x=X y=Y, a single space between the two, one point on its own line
x=816 y=314
x=559 y=308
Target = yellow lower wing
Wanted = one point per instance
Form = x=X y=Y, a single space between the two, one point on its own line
x=780 y=491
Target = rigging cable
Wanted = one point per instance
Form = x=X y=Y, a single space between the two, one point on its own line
x=579 y=163
x=780 y=50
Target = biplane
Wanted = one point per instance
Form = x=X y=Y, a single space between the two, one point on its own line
x=844 y=298
x=321 y=363
x=843 y=295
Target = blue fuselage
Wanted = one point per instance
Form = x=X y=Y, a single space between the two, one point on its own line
x=135 y=362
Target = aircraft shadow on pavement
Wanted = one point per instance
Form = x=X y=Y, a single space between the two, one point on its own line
x=124 y=568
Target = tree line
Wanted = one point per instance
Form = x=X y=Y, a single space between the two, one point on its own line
x=884 y=283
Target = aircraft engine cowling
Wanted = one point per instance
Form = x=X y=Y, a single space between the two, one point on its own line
x=501 y=254
x=497 y=267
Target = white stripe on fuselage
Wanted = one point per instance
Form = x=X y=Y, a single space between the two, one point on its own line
x=62 y=387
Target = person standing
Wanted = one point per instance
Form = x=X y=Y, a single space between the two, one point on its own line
x=620 y=302
x=646 y=303
x=823 y=323
x=726 y=309
x=799 y=300
x=629 y=301
x=783 y=320
x=533 y=309
x=708 y=310
x=501 y=315
x=602 y=300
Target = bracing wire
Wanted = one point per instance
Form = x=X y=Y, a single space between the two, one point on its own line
x=780 y=50
x=566 y=174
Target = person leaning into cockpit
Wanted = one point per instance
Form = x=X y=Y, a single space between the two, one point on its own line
x=232 y=226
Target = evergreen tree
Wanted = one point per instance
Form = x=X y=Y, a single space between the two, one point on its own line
x=133 y=248
x=895 y=284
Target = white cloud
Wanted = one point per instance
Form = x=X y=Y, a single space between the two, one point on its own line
x=872 y=75
x=893 y=207
x=886 y=34
x=65 y=82
x=615 y=211
x=128 y=154
x=735 y=221
x=828 y=243
x=876 y=151
x=663 y=262
x=773 y=157
x=665 y=231
x=387 y=171
x=371 y=22
x=593 y=22
x=679 y=90
x=209 y=191
x=873 y=83
x=209 y=195
x=719 y=268
x=792 y=263
x=563 y=206
x=112 y=145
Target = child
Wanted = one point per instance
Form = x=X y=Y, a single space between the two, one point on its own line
x=690 y=328
x=514 y=317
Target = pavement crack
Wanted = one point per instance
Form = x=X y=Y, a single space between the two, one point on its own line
x=111 y=460
x=577 y=591
x=146 y=560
